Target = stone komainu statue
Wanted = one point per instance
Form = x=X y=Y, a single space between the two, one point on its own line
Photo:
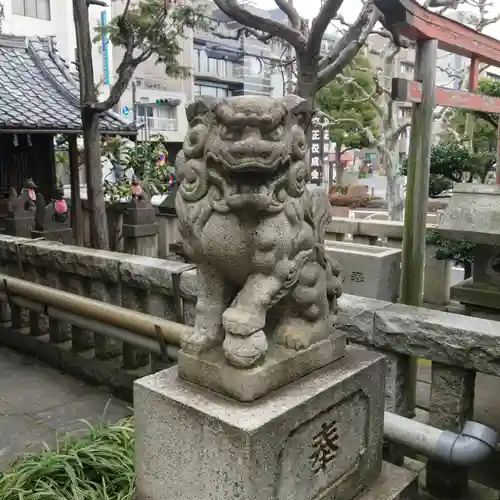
x=256 y=233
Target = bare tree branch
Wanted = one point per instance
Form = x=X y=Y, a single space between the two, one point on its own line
x=291 y=12
x=328 y=11
x=245 y=31
x=348 y=46
x=274 y=28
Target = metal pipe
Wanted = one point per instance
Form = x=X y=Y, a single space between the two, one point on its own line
x=125 y=319
x=473 y=445
x=94 y=326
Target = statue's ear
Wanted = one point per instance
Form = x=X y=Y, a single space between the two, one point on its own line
x=199 y=109
x=299 y=108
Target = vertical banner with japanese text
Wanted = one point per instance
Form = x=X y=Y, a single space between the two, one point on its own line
x=320 y=141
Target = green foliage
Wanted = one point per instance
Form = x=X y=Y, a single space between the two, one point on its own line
x=450 y=162
x=143 y=158
x=344 y=101
x=485 y=124
x=154 y=28
x=97 y=466
x=447 y=159
x=461 y=252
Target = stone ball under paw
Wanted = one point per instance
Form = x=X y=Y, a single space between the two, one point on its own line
x=244 y=352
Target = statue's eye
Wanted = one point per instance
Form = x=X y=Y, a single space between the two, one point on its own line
x=233 y=133
x=274 y=134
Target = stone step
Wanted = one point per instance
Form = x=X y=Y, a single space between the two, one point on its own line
x=394 y=483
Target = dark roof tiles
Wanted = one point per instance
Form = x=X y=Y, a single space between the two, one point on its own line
x=38 y=92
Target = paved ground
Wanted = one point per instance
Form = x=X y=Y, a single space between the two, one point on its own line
x=37 y=402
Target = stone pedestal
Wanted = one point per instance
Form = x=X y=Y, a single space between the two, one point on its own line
x=319 y=437
x=140 y=231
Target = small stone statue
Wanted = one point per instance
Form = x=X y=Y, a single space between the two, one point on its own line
x=256 y=233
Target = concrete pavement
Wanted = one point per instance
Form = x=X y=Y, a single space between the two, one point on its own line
x=38 y=402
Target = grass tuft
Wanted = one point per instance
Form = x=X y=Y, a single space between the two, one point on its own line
x=96 y=466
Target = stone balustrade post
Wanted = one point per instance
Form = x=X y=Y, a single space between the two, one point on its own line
x=59 y=331
x=81 y=340
x=140 y=229
x=151 y=286
x=451 y=404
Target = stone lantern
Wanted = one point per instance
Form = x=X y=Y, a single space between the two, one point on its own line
x=473 y=215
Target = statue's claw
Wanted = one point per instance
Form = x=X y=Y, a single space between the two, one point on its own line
x=245 y=352
x=199 y=341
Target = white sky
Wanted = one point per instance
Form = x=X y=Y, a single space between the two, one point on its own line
x=351 y=8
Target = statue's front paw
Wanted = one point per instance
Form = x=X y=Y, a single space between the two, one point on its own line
x=242 y=323
x=245 y=352
x=199 y=341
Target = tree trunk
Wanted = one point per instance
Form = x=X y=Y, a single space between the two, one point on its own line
x=395 y=202
x=95 y=187
x=339 y=171
x=90 y=124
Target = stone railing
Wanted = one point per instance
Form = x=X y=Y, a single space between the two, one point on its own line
x=437 y=273
x=458 y=346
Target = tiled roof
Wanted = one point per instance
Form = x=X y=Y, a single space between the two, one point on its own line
x=37 y=92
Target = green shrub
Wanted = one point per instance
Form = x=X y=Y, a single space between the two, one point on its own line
x=96 y=466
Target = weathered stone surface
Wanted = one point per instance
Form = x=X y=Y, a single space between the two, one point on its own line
x=281 y=366
x=473 y=214
x=368 y=270
x=150 y=274
x=341 y=225
x=82 y=261
x=242 y=156
x=471 y=343
x=397 y=380
x=9 y=251
x=381 y=228
x=394 y=483
x=356 y=317
x=451 y=405
x=194 y=444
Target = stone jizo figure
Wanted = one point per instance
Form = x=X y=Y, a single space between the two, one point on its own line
x=256 y=233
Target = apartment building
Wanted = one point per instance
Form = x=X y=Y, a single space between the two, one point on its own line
x=42 y=18
x=227 y=67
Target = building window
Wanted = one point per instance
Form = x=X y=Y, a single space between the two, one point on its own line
x=39 y=9
x=404 y=112
x=406 y=67
x=213 y=91
x=212 y=66
x=158 y=117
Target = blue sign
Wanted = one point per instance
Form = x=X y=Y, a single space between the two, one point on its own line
x=125 y=111
x=105 y=50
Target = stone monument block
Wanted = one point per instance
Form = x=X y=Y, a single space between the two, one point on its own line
x=473 y=215
x=20 y=220
x=319 y=437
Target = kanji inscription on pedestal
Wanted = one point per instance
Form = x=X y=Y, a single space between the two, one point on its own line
x=324 y=447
